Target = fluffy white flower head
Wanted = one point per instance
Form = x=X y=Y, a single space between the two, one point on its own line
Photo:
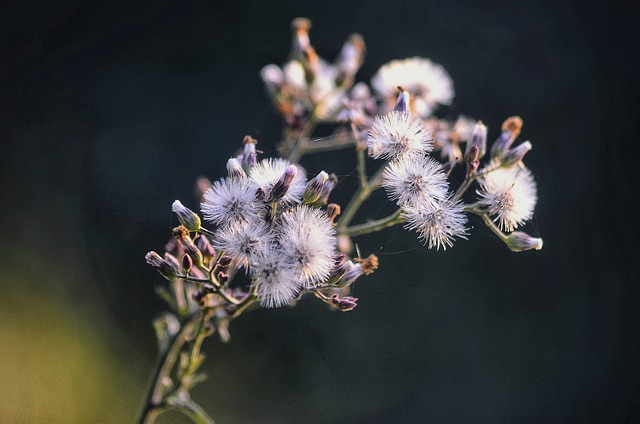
x=307 y=243
x=267 y=172
x=230 y=200
x=398 y=134
x=428 y=82
x=437 y=225
x=274 y=282
x=510 y=195
x=243 y=241
x=415 y=180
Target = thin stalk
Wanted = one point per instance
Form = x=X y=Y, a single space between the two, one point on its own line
x=192 y=410
x=361 y=194
x=153 y=401
x=377 y=225
x=489 y=223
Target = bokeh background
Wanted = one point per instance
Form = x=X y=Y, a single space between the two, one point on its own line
x=109 y=111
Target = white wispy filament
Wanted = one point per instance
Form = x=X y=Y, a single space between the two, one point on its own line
x=414 y=180
x=509 y=195
x=398 y=134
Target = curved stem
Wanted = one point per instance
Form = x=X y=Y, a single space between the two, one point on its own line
x=153 y=401
x=358 y=198
x=377 y=225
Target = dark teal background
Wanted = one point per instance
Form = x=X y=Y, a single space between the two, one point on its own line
x=109 y=112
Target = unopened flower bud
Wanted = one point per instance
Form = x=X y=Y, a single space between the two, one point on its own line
x=187 y=264
x=478 y=139
x=186 y=216
x=518 y=241
x=166 y=269
x=204 y=245
x=182 y=235
x=351 y=57
x=471 y=154
x=223 y=278
x=515 y=155
x=345 y=304
x=249 y=155
x=510 y=130
x=314 y=188
x=234 y=169
x=281 y=186
x=300 y=28
x=402 y=105
x=225 y=261
x=333 y=210
x=327 y=188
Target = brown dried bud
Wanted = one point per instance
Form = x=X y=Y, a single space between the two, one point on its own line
x=333 y=210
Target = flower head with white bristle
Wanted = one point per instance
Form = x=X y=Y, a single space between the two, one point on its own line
x=420 y=179
x=274 y=282
x=437 y=225
x=230 y=200
x=509 y=195
x=308 y=243
x=398 y=134
x=243 y=241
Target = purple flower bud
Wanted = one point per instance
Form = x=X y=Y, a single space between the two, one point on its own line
x=518 y=241
x=223 y=278
x=189 y=219
x=402 y=105
x=187 y=264
x=166 y=269
x=281 y=186
x=314 y=188
x=327 y=188
x=511 y=128
x=204 y=245
x=345 y=304
x=515 y=155
x=478 y=139
x=249 y=156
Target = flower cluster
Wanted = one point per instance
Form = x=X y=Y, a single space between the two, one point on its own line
x=275 y=236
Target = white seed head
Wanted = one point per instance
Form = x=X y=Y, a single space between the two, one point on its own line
x=268 y=172
x=510 y=195
x=308 y=243
x=230 y=200
x=398 y=134
x=243 y=241
x=415 y=180
x=273 y=280
x=437 y=225
x=428 y=82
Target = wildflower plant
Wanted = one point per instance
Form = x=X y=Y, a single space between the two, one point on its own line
x=269 y=233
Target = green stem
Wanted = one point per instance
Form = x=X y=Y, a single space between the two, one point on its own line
x=358 y=198
x=153 y=401
x=488 y=222
x=191 y=409
x=372 y=226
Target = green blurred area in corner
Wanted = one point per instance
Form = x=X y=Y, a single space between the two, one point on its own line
x=56 y=365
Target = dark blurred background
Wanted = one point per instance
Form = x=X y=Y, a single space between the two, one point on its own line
x=110 y=111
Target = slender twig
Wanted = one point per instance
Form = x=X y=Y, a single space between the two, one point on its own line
x=377 y=225
x=361 y=194
x=153 y=401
